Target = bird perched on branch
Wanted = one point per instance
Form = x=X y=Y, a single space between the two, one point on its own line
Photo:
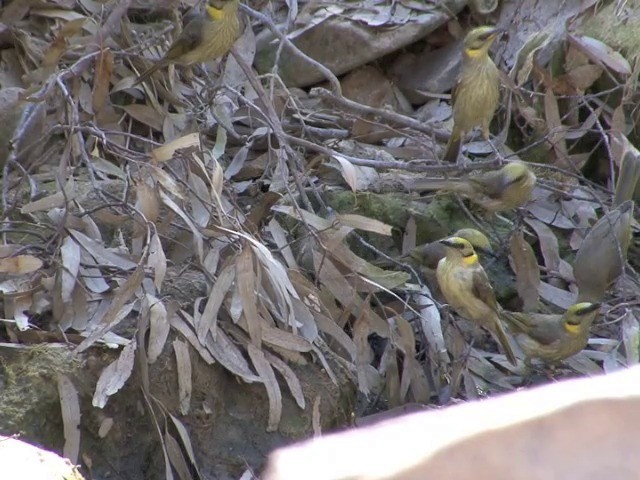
x=603 y=253
x=552 y=338
x=475 y=96
x=495 y=191
x=208 y=36
x=466 y=287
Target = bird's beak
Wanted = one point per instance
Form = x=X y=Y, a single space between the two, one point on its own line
x=496 y=32
x=591 y=308
x=447 y=242
x=493 y=33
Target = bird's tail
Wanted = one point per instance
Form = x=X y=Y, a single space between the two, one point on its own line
x=147 y=73
x=455 y=185
x=503 y=340
x=453 y=149
x=514 y=322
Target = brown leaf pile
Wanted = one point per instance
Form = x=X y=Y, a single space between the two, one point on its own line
x=115 y=192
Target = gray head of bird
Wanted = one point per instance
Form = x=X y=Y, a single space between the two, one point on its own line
x=583 y=308
x=478 y=240
x=516 y=172
x=480 y=39
x=458 y=246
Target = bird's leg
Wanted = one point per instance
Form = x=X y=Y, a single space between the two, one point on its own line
x=487 y=138
x=497 y=152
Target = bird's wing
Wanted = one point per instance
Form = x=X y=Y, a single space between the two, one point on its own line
x=544 y=329
x=492 y=183
x=189 y=39
x=454 y=91
x=482 y=288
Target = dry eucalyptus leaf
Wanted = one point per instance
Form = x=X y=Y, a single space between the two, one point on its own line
x=412 y=370
x=101 y=254
x=145 y=115
x=208 y=322
x=631 y=338
x=157 y=261
x=331 y=328
x=101 y=79
x=284 y=247
x=284 y=339
x=176 y=457
x=524 y=264
x=186 y=442
x=366 y=224
x=165 y=152
x=290 y=377
x=70 y=256
x=117 y=309
x=246 y=287
x=268 y=378
x=187 y=332
x=548 y=244
x=115 y=375
x=158 y=326
x=600 y=53
x=20 y=264
x=56 y=200
x=554 y=124
x=70 y=406
x=230 y=356
x=554 y=295
x=183 y=369
x=197 y=236
x=105 y=427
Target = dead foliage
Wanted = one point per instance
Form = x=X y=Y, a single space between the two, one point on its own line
x=113 y=191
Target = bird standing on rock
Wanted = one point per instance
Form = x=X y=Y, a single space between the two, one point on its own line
x=208 y=36
x=553 y=338
x=475 y=96
x=466 y=287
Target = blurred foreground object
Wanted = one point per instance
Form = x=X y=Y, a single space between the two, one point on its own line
x=21 y=460
x=576 y=429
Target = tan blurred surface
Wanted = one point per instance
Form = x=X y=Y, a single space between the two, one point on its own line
x=576 y=429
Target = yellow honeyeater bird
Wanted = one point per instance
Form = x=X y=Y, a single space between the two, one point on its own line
x=208 y=36
x=495 y=191
x=466 y=287
x=603 y=253
x=475 y=96
x=552 y=338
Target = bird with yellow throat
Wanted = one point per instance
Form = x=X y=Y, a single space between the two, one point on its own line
x=552 y=338
x=209 y=35
x=475 y=96
x=467 y=289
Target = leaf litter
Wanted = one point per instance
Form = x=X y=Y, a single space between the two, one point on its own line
x=136 y=180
